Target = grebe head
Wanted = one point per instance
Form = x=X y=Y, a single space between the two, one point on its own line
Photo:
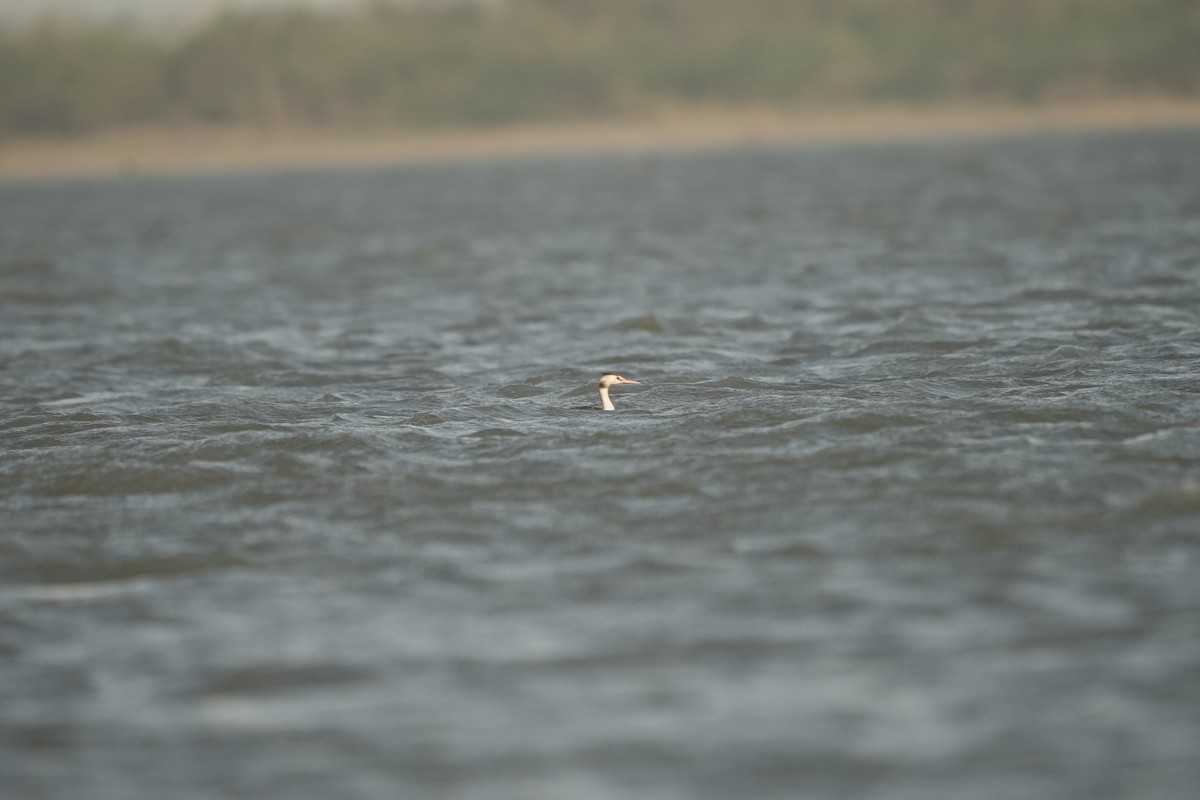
x=611 y=379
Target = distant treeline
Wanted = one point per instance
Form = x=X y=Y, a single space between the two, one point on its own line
x=388 y=64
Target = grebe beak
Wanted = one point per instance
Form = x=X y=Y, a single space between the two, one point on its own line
x=630 y=380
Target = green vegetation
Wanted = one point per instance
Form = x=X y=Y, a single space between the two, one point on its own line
x=404 y=65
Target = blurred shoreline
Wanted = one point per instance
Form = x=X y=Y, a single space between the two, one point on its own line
x=194 y=150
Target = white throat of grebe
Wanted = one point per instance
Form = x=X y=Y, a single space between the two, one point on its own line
x=611 y=379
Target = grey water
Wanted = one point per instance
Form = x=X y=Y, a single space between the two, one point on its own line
x=303 y=493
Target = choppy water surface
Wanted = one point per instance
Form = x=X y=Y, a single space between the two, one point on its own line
x=298 y=499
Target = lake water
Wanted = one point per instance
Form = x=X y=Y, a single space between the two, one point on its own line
x=303 y=493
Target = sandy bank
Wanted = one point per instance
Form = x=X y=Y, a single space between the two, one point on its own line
x=197 y=150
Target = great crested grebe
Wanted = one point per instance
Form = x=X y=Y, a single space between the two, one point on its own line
x=611 y=379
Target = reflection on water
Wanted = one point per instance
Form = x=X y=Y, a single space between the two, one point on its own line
x=299 y=501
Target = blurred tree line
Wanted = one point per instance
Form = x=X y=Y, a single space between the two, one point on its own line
x=387 y=64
